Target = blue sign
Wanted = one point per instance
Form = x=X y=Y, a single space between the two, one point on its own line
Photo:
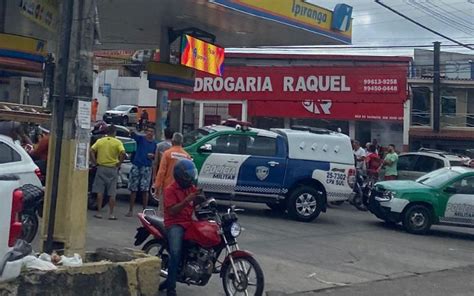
x=341 y=17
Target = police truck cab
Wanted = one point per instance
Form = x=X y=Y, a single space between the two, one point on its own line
x=298 y=170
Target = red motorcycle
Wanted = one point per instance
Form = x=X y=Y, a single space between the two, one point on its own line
x=212 y=235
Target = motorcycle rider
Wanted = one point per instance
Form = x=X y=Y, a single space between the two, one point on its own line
x=178 y=210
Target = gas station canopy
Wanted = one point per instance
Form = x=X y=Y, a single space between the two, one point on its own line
x=126 y=24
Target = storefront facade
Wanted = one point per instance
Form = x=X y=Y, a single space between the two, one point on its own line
x=363 y=96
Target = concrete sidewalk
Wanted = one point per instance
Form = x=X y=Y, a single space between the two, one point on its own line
x=453 y=282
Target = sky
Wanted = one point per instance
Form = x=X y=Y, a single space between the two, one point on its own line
x=374 y=25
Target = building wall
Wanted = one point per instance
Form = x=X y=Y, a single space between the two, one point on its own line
x=16 y=23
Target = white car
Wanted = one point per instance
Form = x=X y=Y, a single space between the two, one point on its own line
x=122 y=114
x=15 y=160
x=10 y=229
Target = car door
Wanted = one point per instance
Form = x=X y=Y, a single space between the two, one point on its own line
x=222 y=159
x=405 y=167
x=425 y=164
x=263 y=172
x=16 y=163
x=460 y=202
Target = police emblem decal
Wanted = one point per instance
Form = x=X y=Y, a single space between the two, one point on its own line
x=262 y=172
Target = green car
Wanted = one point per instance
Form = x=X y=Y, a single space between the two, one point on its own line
x=445 y=196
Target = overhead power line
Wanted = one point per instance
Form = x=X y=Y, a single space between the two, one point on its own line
x=423 y=26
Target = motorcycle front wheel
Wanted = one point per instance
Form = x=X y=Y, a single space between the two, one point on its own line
x=249 y=280
x=29 y=228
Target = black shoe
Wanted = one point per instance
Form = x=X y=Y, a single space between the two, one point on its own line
x=171 y=292
x=163 y=285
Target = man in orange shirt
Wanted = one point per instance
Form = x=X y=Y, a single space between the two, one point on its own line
x=164 y=178
x=94 y=109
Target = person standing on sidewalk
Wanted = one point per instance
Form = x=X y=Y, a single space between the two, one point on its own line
x=94 y=109
x=390 y=162
x=108 y=154
x=160 y=149
x=164 y=177
x=140 y=174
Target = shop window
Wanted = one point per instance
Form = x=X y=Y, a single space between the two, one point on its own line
x=7 y=154
x=261 y=146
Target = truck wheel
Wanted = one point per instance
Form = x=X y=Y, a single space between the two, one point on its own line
x=417 y=219
x=305 y=204
x=125 y=121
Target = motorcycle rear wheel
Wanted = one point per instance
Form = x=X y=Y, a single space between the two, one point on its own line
x=250 y=274
x=155 y=247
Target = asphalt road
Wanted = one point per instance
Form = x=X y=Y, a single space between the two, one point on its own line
x=343 y=247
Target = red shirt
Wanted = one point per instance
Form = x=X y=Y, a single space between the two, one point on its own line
x=174 y=195
x=373 y=163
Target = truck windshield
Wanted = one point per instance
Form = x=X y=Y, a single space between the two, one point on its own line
x=437 y=178
x=122 y=108
x=192 y=137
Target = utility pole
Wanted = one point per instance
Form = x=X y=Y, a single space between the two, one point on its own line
x=436 y=87
x=162 y=94
x=65 y=212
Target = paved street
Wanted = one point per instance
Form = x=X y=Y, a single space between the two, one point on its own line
x=342 y=247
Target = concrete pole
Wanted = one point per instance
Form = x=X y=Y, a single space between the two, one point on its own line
x=406 y=125
x=245 y=110
x=65 y=210
x=352 y=130
x=436 y=87
x=162 y=94
x=201 y=114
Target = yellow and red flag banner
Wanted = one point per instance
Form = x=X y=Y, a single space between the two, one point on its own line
x=202 y=55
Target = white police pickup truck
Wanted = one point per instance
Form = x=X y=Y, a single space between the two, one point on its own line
x=299 y=170
x=11 y=203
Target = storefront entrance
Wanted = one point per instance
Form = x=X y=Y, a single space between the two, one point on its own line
x=198 y=113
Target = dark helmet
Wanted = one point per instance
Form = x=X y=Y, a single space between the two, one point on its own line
x=185 y=173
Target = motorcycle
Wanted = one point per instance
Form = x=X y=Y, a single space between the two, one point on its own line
x=33 y=199
x=362 y=191
x=212 y=234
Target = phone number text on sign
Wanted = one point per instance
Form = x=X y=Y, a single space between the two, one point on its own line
x=335 y=178
x=379 y=85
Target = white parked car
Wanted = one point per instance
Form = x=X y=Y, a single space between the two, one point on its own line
x=15 y=160
x=122 y=114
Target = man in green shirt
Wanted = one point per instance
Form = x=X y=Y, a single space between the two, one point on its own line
x=390 y=163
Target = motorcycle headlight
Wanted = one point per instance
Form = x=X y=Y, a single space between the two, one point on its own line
x=235 y=229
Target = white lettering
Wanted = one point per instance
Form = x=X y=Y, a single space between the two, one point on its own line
x=239 y=85
x=218 y=84
x=229 y=84
x=344 y=87
x=288 y=83
x=198 y=84
x=251 y=84
x=207 y=84
x=267 y=84
x=326 y=86
x=312 y=83
x=335 y=83
x=301 y=84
